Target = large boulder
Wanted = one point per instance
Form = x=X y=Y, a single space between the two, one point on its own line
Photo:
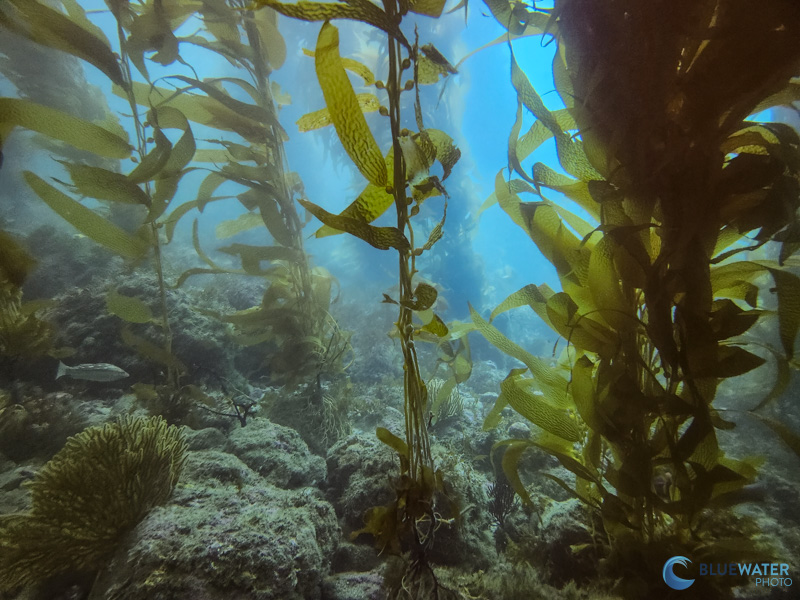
x=278 y=454
x=227 y=534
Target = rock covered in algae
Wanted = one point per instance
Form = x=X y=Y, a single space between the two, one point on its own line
x=357 y=477
x=278 y=454
x=84 y=323
x=354 y=586
x=228 y=534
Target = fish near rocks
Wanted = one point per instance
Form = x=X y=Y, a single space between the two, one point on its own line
x=91 y=372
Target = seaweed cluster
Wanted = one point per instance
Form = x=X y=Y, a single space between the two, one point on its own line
x=22 y=334
x=93 y=491
x=656 y=299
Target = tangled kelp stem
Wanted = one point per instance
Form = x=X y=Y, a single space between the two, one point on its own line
x=172 y=373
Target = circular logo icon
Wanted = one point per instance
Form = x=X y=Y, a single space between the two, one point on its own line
x=672 y=580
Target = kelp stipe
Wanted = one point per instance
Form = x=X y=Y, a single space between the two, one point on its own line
x=655 y=299
x=408 y=524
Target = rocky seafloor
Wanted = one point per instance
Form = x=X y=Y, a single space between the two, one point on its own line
x=269 y=508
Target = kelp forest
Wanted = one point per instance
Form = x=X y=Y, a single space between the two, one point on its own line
x=272 y=325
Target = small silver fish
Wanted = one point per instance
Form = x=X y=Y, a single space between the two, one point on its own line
x=91 y=372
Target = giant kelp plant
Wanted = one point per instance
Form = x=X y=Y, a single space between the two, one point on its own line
x=150 y=185
x=401 y=178
x=300 y=340
x=655 y=298
x=293 y=314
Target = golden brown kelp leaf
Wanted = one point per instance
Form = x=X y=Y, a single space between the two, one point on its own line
x=429 y=8
x=199 y=109
x=151 y=351
x=435 y=235
x=429 y=71
x=273 y=45
x=352 y=65
x=152 y=30
x=519 y=20
x=533 y=23
x=558 y=447
x=735 y=280
x=530 y=295
x=59 y=125
x=357 y=10
x=322 y=117
x=220 y=21
x=553 y=384
x=538 y=411
x=577 y=191
x=52 y=28
x=253 y=256
x=555 y=241
x=213 y=89
x=580 y=328
x=87 y=221
x=445 y=151
x=166 y=163
x=435 y=326
x=538 y=133
x=15 y=262
x=237 y=152
x=424 y=297
x=382 y=238
x=346 y=114
x=128 y=308
x=604 y=282
x=571 y=153
x=395 y=443
x=271 y=215
x=370 y=204
x=168 y=117
x=514 y=186
x=243 y=222
x=153 y=162
x=375 y=200
x=102 y=184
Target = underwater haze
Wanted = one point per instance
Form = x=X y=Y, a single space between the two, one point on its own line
x=399 y=299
